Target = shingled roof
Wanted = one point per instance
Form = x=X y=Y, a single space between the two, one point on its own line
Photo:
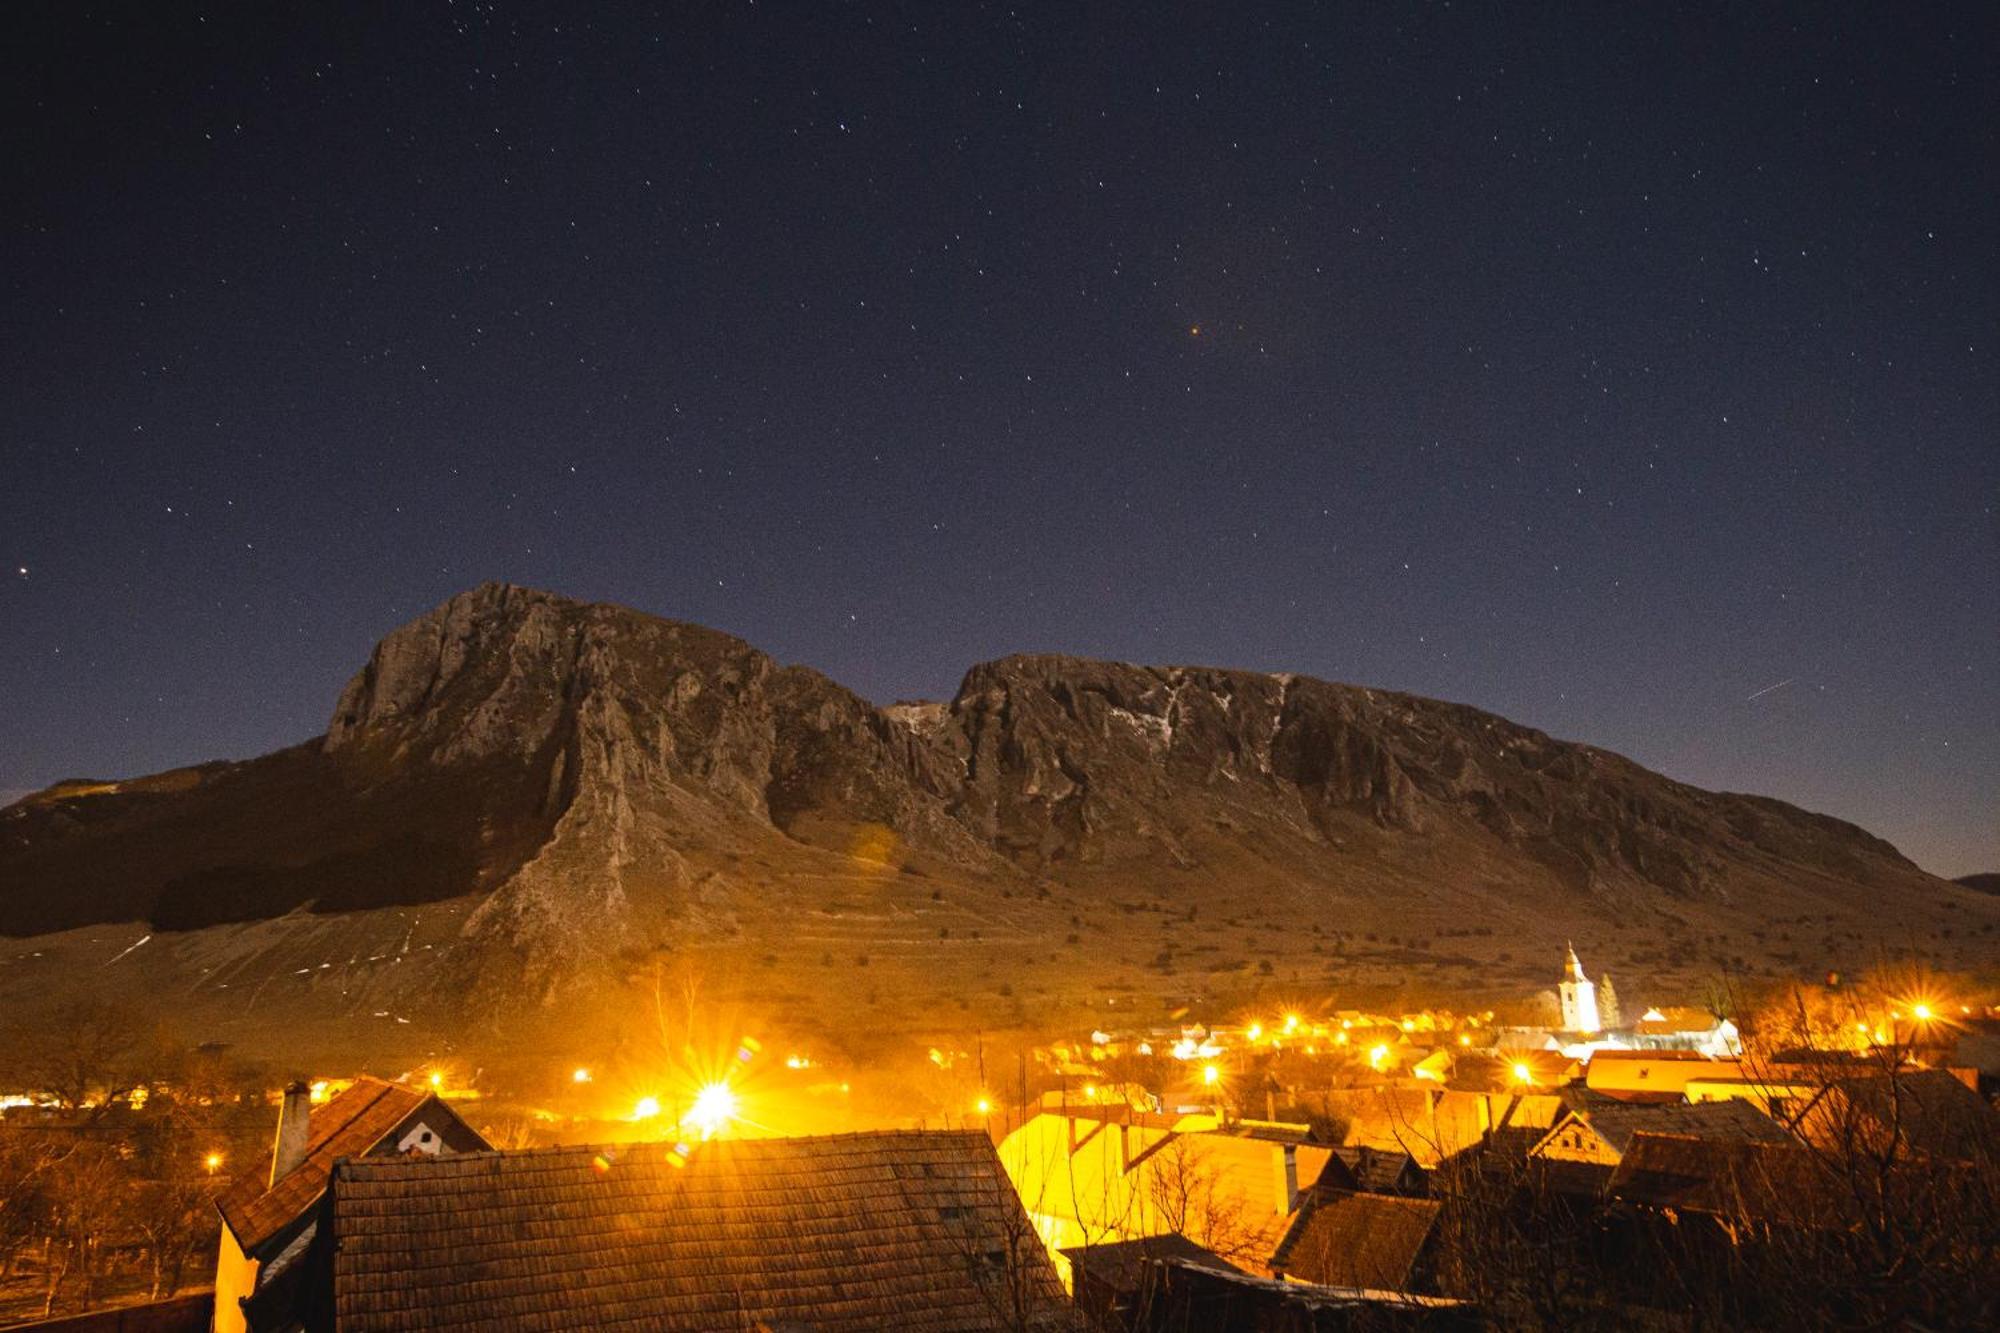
x=1617 y=1122
x=1341 y=1238
x=257 y=1208
x=1739 y=1178
x=1378 y=1170
x=917 y=1230
x=1928 y=1109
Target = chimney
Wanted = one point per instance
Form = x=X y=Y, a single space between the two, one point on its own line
x=1287 y=1179
x=294 y=1117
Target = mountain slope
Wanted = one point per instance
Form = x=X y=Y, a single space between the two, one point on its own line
x=586 y=783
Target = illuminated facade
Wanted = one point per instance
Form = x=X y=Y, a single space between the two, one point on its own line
x=1579 y=998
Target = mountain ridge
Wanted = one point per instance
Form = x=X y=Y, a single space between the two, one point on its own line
x=591 y=780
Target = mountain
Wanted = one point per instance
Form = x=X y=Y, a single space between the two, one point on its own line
x=1985 y=883
x=552 y=790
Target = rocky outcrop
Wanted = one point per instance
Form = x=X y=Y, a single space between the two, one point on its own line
x=599 y=776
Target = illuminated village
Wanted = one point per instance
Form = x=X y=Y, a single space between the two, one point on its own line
x=935 y=667
x=1299 y=1167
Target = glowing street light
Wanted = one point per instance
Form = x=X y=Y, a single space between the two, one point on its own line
x=985 y=1105
x=646 y=1108
x=1291 y=1024
x=1211 y=1075
x=213 y=1162
x=579 y=1075
x=1523 y=1074
x=714 y=1107
x=1921 y=1012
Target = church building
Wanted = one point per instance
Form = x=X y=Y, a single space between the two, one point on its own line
x=1579 y=998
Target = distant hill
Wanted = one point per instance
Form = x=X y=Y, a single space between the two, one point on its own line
x=550 y=789
x=1985 y=883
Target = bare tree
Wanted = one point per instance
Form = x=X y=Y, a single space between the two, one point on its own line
x=86 y=1056
x=88 y=1189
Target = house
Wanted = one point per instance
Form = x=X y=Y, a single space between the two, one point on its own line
x=1687 y=1029
x=914 y=1230
x=1432 y=1124
x=1600 y=1129
x=1347 y=1238
x=1094 y=1175
x=1740 y=1182
x=1117 y=1284
x=1194 y=1297
x=1651 y=1074
x=1923 y=1112
x=270 y=1216
x=1382 y=1170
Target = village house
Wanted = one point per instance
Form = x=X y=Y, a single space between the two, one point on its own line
x=1600 y=1129
x=1352 y=1239
x=1193 y=1296
x=1929 y=1113
x=270 y=1216
x=1383 y=1170
x=1431 y=1124
x=1680 y=1028
x=914 y=1230
x=1658 y=1075
x=1118 y=1285
x=1093 y=1176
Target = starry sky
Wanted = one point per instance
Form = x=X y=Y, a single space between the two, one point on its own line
x=1627 y=370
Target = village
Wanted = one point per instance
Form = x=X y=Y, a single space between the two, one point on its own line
x=1313 y=1167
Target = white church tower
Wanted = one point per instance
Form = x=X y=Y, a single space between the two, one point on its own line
x=1579 y=998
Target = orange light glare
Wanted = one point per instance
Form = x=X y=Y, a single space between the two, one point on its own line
x=714 y=1107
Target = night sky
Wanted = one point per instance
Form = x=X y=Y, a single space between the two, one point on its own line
x=1627 y=370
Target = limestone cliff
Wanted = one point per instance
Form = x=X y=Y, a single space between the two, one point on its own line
x=604 y=780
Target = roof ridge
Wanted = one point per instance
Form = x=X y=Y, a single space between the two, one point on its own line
x=555 y=1150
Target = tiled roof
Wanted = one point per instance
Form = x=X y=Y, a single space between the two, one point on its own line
x=1122 y=1265
x=1736 y=1121
x=1578 y=1181
x=346 y=1126
x=1375 y=1169
x=1511 y=1143
x=1932 y=1112
x=916 y=1230
x=1740 y=1178
x=1340 y=1238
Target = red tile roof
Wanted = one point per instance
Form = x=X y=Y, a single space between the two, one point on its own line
x=347 y=1126
x=909 y=1230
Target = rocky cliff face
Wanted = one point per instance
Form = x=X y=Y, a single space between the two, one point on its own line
x=599 y=777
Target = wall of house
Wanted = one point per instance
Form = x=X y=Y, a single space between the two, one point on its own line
x=447 y=1133
x=1086 y=1182
x=235 y=1278
x=1574 y=1141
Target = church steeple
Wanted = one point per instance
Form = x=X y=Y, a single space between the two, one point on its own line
x=1579 y=997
